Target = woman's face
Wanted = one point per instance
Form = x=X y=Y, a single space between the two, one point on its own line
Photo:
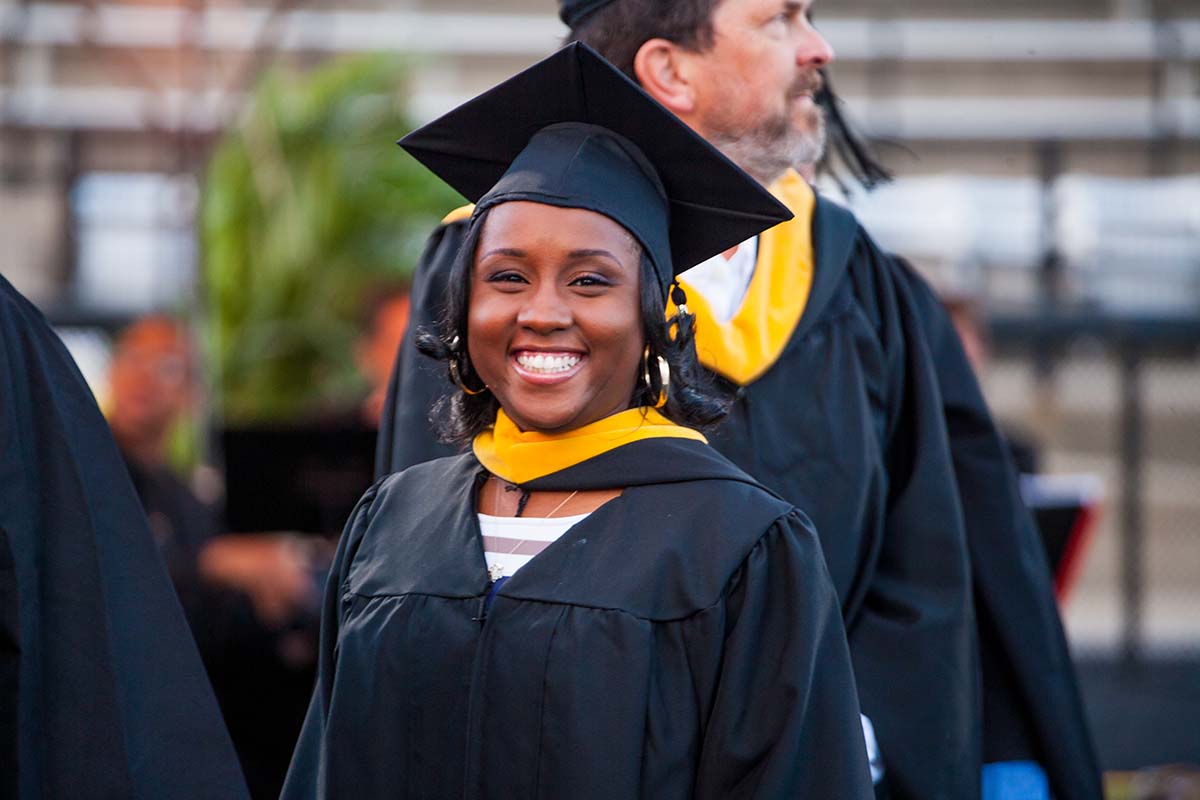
x=554 y=324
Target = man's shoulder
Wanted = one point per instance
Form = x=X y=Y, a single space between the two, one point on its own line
x=445 y=239
x=441 y=248
x=835 y=225
x=460 y=214
x=843 y=240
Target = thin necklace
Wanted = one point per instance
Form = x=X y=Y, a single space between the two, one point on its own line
x=496 y=570
x=563 y=503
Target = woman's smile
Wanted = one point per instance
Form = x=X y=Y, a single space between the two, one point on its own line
x=547 y=367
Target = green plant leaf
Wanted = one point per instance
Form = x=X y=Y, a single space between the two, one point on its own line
x=307 y=203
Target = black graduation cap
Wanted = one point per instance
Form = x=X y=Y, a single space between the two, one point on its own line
x=572 y=12
x=573 y=131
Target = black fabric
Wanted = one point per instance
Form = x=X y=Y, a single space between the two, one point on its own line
x=180 y=524
x=261 y=684
x=113 y=701
x=872 y=423
x=573 y=131
x=683 y=641
x=1027 y=664
x=575 y=165
x=847 y=424
x=405 y=431
x=637 y=464
x=10 y=668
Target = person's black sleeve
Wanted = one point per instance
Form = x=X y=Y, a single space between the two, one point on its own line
x=10 y=669
x=112 y=699
x=785 y=720
x=913 y=633
x=1032 y=706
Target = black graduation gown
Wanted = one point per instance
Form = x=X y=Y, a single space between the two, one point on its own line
x=1032 y=704
x=682 y=641
x=873 y=424
x=103 y=692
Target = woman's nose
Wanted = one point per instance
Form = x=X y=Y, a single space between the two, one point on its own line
x=545 y=311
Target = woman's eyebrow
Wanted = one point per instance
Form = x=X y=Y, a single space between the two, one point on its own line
x=592 y=253
x=573 y=255
x=504 y=251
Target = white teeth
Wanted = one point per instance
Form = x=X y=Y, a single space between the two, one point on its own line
x=548 y=364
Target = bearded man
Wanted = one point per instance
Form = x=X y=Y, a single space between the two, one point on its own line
x=853 y=400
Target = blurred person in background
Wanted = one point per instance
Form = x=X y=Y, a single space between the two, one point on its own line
x=102 y=692
x=854 y=400
x=250 y=598
x=382 y=320
x=385 y=319
x=153 y=386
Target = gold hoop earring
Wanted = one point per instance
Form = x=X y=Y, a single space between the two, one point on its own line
x=456 y=372
x=457 y=380
x=664 y=377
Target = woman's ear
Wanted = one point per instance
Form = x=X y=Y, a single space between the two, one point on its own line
x=661 y=69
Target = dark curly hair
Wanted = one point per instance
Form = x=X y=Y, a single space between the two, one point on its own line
x=692 y=399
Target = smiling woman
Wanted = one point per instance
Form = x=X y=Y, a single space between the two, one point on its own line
x=554 y=329
x=591 y=603
x=560 y=336
x=539 y=310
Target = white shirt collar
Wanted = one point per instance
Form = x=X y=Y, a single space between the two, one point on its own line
x=723 y=281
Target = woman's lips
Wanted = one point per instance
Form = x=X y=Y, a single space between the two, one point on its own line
x=544 y=367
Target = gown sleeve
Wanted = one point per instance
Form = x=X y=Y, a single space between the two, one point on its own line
x=405 y=435
x=1032 y=707
x=913 y=636
x=785 y=717
x=102 y=690
x=306 y=775
x=10 y=669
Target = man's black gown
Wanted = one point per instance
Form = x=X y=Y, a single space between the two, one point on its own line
x=102 y=693
x=682 y=641
x=872 y=422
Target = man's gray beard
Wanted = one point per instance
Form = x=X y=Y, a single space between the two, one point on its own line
x=771 y=149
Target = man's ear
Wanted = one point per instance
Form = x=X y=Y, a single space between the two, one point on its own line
x=661 y=69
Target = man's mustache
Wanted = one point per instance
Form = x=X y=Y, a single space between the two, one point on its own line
x=806 y=83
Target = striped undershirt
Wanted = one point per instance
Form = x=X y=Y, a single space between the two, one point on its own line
x=510 y=542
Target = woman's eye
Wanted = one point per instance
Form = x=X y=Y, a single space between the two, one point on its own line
x=589 y=280
x=506 y=276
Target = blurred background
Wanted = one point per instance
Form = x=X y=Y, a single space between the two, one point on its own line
x=229 y=169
